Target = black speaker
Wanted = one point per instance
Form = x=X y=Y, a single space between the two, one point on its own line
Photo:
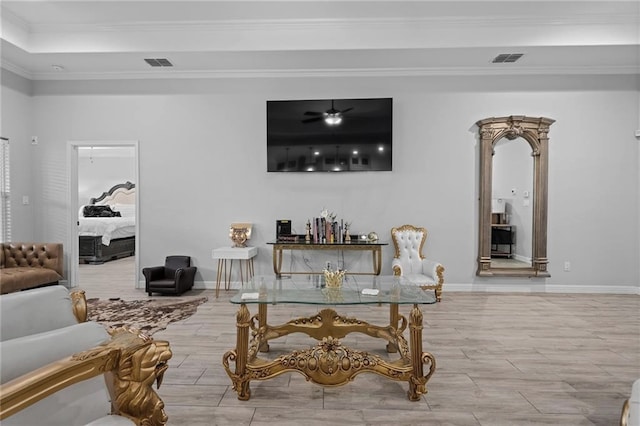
x=283 y=227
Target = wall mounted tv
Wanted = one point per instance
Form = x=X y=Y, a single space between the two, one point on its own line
x=329 y=135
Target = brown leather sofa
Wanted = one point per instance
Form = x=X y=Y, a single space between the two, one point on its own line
x=29 y=265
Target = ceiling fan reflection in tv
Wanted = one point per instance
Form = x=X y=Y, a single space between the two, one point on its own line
x=330 y=135
x=332 y=116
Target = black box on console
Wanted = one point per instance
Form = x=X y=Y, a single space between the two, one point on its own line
x=283 y=227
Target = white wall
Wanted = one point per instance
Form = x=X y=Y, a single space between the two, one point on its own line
x=203 y=162
x=99 y=169
x=17 y=124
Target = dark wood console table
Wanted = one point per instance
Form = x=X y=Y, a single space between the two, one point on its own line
x=374 y=247
x=502 y=240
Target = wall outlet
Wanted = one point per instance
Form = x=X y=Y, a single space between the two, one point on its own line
x=567 y=266
x=328 y=266
x=34 y=140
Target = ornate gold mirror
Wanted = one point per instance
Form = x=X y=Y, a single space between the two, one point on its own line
x=512 y=230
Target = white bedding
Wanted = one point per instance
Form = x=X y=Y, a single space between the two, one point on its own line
x=109 y=227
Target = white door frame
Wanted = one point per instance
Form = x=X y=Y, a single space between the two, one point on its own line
x=72 y=205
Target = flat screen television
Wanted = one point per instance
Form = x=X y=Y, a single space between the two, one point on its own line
x=329 y=135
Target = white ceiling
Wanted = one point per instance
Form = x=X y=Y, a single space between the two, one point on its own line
x=94 y=39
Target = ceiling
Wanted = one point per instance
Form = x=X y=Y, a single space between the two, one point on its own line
x=94 y=39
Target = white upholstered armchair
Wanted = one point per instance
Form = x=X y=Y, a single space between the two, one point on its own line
x=409 y=261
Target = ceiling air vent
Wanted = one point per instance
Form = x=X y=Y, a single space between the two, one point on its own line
x=507 y=57
x=160 y=62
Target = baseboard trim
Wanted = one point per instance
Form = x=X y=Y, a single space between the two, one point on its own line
x=211 y=285
x=542 y=288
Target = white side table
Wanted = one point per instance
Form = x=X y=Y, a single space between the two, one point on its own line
x=233 y=253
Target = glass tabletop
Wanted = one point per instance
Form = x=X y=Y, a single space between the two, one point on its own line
x=301 y=242
x=311 y=290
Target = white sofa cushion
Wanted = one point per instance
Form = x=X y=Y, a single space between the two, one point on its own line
x=25 y=354
x=420 y=279
x=82 y=402
x=77 y=405
x=634 y=405
x=111 y=421
x=35 y=311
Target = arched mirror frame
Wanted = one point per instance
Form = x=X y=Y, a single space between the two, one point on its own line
x=535 y=131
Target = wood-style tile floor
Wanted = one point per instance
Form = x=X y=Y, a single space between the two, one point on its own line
x=502 y=359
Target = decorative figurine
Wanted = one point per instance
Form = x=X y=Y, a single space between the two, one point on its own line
x=239 y=233
x=333 y=279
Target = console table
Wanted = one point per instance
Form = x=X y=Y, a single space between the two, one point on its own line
x=502 y=240
x=374 y=247
x=330 y=363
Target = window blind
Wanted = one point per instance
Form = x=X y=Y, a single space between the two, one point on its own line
x=5 y=192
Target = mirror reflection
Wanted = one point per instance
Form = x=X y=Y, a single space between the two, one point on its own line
x=511 y=204
x=512 y=229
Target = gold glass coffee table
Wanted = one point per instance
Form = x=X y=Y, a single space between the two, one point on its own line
x=329 y=363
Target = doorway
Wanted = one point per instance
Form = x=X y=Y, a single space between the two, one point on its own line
x=95 y=167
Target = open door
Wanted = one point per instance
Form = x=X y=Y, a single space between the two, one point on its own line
x=103 y=219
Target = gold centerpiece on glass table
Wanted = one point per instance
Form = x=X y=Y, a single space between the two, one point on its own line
x=333 y=285
x=333 y=279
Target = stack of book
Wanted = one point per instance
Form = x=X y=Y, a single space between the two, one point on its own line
x=323 y=230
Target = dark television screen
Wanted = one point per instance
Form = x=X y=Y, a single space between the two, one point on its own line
x=329 y=135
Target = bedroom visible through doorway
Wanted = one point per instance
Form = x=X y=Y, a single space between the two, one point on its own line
x=104 y=219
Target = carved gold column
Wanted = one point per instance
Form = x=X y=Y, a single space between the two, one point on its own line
x=393 y=321
x=417 y=383
x=241 y=383
x=262 y=322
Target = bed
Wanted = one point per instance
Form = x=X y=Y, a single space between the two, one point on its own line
x=107 y=225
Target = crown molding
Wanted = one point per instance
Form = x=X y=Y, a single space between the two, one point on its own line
x=324 y=73
x=324 y=24
x=10 y=66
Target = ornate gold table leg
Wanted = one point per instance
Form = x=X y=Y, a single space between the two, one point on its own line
x=262 y=322
x=239 y=355
x=393 y=321
x=329 y=363
x=418 y=382
x=377 y=260
x=277 y=261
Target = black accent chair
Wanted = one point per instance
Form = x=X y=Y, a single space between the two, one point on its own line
x=175 y=277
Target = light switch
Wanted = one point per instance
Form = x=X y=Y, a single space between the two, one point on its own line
x=25 y=200
x=525 y=194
